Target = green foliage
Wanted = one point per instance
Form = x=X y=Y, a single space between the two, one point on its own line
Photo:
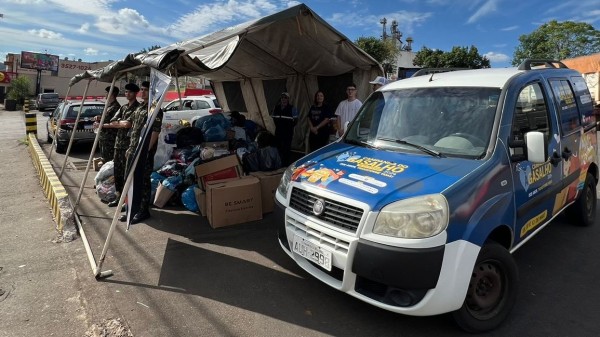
x=558 y=41
x=383 y=52
x=153 y=47
x=458 y=57
x=19 y=89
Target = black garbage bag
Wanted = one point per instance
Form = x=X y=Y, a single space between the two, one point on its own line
x=264 y=159
x=189 y=136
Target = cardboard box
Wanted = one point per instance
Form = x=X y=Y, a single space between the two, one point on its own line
x=163 y=195
x=200 y=199
x=268 y=185
x=98 y=162
x=233 y=201
x=218 y=169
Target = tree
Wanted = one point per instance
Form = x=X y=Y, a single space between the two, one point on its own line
x=558 y=41
x=19 y=89
x=383 y=52
x=151 y=48
x=458 y=57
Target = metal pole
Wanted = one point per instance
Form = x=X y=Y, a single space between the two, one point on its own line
x=115 y=219
x=96 y=140
x=178 y=90
x=62 y=170
x=56 y=128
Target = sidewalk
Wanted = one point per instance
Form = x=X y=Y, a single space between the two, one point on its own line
x=38 y=281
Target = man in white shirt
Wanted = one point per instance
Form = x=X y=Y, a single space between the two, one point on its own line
x=347 y=109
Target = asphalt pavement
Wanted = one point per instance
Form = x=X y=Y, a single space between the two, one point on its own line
x=176 y=276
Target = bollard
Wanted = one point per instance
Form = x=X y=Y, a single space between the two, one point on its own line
x=30 y=119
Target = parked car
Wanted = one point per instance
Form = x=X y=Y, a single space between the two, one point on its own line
x=193 y=107
x=65 y=119
x=46 y=101
x=418 y=208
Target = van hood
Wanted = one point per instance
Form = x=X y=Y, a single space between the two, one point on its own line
x=378 y=177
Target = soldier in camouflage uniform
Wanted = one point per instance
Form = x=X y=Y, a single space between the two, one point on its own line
x=138 y=122
x=107 y=136
x=122 y=122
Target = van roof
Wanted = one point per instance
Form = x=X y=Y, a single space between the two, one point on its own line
x=493 y=78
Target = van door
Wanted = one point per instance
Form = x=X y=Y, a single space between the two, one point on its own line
x=534 y=183
x=571 y=133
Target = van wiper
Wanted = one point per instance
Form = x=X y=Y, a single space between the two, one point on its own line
x=359 y=143
x=416 y=146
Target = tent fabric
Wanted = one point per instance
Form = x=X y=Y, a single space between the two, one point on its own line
x=294 y=44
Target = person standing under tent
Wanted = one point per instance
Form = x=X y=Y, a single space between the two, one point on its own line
x=122 y=122
x=284 y=116
x=318 y=122
x=378 y=82
x=138 y=121
x=347 y=109
x=107 y=136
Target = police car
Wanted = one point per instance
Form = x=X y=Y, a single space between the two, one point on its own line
x=438 y=179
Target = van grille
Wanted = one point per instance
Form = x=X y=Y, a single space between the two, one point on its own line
x=335 y=213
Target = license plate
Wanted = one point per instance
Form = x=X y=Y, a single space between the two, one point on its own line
x=312 y=252
x=88 y=126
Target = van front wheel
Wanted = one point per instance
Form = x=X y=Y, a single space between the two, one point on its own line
x=583 y=211
x=492 y=290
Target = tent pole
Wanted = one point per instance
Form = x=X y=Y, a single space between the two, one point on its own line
x=62 y=170
x=55 y=132
x=306 y=142
x=257 y=105
x=96 y=140
x=178 y=90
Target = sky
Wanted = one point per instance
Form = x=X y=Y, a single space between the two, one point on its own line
x=102 y=30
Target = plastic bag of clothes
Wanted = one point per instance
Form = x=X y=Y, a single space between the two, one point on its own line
x=189 y=136
x=106 y=189
x=188 y=199
x=107 y=170
x=214 y=127
x=172 y=182
x=171 y=168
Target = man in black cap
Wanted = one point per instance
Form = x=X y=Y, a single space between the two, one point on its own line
x=138 y=121
x=122 y=122
x=107 y=136
x=284 y=116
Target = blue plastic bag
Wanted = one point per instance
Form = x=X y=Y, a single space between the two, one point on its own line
x=188 y=199
x=172 y=182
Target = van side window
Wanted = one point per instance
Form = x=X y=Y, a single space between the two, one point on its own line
x=531 y=113
x=567 y=107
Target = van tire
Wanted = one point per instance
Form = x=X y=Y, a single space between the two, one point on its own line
x=583 y=211
x=492 y=290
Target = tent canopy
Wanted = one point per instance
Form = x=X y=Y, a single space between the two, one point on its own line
x=295 y=46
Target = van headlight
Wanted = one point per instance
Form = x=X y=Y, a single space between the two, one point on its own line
x=285 y=181
x=413 y=218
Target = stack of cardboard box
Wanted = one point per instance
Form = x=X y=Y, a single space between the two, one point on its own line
x=227 y=197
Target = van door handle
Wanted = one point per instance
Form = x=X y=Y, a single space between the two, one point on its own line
x=555 y=159
x=566 y=154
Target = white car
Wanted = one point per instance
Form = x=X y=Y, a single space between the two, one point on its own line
x=192 y=107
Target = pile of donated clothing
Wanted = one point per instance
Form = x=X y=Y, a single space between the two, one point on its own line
x=182 y=147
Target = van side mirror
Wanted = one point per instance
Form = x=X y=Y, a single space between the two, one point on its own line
x=533 y=148
x=536 y=147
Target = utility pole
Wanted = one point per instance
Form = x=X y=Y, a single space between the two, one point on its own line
x=384 y=36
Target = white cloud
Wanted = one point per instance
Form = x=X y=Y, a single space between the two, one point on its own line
x=487 y=8
x=219 y=15
x=496 y=57
x=45 y=34
x=84 y=28
x=125 y=21
x=90 y=51
x=507 y=29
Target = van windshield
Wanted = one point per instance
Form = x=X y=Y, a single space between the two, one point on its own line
x=449 y=121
